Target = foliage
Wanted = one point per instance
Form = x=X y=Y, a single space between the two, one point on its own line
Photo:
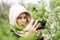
x=52 y=16
x=20 y=26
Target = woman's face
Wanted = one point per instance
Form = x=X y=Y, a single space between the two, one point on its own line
x=22 y=18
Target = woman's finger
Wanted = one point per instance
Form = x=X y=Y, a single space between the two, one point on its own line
x=29 y=26
x=40 y=30
x=38 y=25
x=31 y=22
x=36 y=22
x=34 y=29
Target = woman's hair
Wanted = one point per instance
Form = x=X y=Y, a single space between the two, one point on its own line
x=28 y=17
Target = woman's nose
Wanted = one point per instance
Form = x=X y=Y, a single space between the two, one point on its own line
x=23 y=20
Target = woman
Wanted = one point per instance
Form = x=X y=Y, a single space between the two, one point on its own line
x=19 y=14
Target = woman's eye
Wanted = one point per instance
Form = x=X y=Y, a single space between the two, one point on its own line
x=24 y=17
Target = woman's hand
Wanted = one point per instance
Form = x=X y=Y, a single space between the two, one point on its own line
x=31 y=27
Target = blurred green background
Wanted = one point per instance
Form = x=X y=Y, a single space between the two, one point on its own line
x=51 y=13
